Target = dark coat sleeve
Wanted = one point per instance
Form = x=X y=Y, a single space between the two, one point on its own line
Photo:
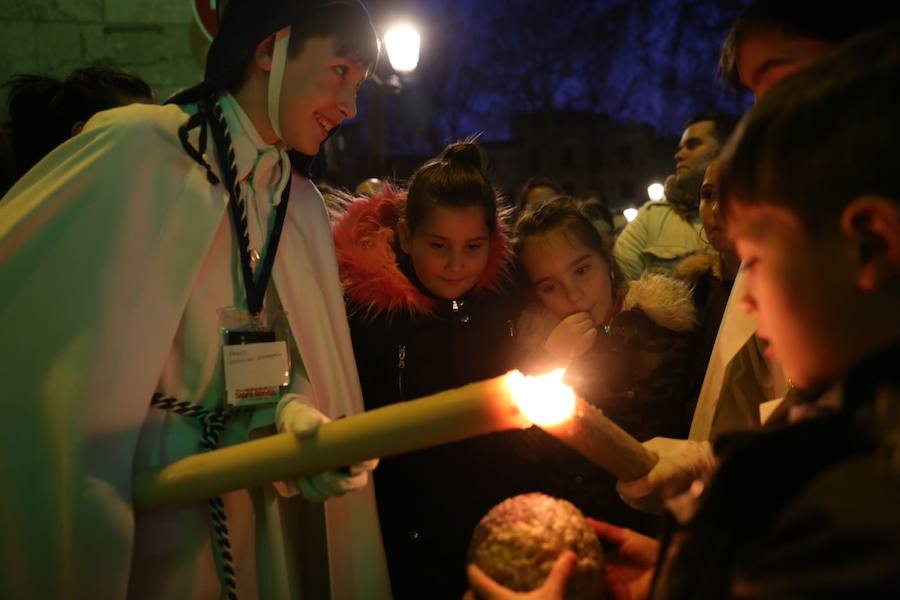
x=839 y=538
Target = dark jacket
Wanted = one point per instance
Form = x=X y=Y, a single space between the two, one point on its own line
x=409 y=344
x=809 y=509
x=635 y=372
x=710 y=291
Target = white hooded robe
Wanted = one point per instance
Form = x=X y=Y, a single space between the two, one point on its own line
x=101 y=247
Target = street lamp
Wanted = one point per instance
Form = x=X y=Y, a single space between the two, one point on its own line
x=402 y=43
x=630 y=214
x=656 y=191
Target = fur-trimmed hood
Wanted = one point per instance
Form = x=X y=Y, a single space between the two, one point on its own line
x=365 y=233
x=665 y=300
x=694 y=266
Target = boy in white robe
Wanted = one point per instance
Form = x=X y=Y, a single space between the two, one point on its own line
x=118 y=253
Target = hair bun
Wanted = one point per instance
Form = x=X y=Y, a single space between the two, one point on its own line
x=465 y=154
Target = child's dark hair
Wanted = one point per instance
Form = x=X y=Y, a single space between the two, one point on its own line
x=563 y=214
x=822 y=137
x=43 y=110
x=596 y=210
x=532 y=183
x=455 y=178
x=829 y=22
x=347 y=22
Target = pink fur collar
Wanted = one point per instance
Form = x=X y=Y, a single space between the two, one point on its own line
x=364 y=235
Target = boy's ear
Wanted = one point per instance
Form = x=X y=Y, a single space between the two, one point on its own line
x=262 y=56
x=872 y=226
x=404 y=236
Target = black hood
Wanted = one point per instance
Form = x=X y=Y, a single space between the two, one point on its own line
x=244 y=24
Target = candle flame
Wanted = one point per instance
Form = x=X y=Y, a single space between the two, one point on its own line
x=544 y=399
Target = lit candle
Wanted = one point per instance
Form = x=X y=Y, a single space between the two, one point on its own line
x=555 y=408
x=448 y=416
x=511 y=401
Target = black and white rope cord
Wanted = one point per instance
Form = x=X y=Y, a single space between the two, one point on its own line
x=213 y=423
x=232 y=167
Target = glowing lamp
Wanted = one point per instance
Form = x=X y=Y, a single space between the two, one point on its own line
x=630 y=214
x=402 y=44
x=656 y=191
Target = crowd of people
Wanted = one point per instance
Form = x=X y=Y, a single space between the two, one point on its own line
x=744 y=328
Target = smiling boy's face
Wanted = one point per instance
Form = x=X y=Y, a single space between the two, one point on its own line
x=318 y=94
x=799 y=289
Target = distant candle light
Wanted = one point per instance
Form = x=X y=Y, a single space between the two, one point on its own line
x=630 y=214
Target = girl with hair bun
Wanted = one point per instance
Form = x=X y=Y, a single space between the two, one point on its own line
x=425 y=278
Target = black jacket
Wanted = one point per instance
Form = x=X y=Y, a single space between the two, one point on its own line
x=409 y=344
x=809 y=509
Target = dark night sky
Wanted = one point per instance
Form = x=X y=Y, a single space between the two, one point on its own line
x=648 y=61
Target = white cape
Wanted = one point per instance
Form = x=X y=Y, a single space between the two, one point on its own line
x=99 y=247
x=738 y=378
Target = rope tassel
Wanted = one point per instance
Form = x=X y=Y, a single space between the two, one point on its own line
x=213 y=423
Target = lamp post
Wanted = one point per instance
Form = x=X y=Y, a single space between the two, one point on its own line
x=402 y=43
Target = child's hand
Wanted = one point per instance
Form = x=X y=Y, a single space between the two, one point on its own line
x=629 y=560
x=572 y=337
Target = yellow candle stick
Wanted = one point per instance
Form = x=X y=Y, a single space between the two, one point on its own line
x=509 y=401
x=555 y=408
x=449 y=416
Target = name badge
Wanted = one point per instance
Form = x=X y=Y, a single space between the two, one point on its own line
x=255 y=372
x=255 y=354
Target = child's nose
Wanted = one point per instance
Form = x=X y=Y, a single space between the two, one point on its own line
x=455 y=261
x=748 y=303
x=574 y=294
x=347 y=104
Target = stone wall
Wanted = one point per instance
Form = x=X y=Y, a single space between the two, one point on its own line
x=156 y=40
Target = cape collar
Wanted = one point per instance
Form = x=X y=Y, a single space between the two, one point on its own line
x=252 y=156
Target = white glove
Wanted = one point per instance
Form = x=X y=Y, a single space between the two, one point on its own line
x=294 y=414
x=681 y=462
x=323 y=486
